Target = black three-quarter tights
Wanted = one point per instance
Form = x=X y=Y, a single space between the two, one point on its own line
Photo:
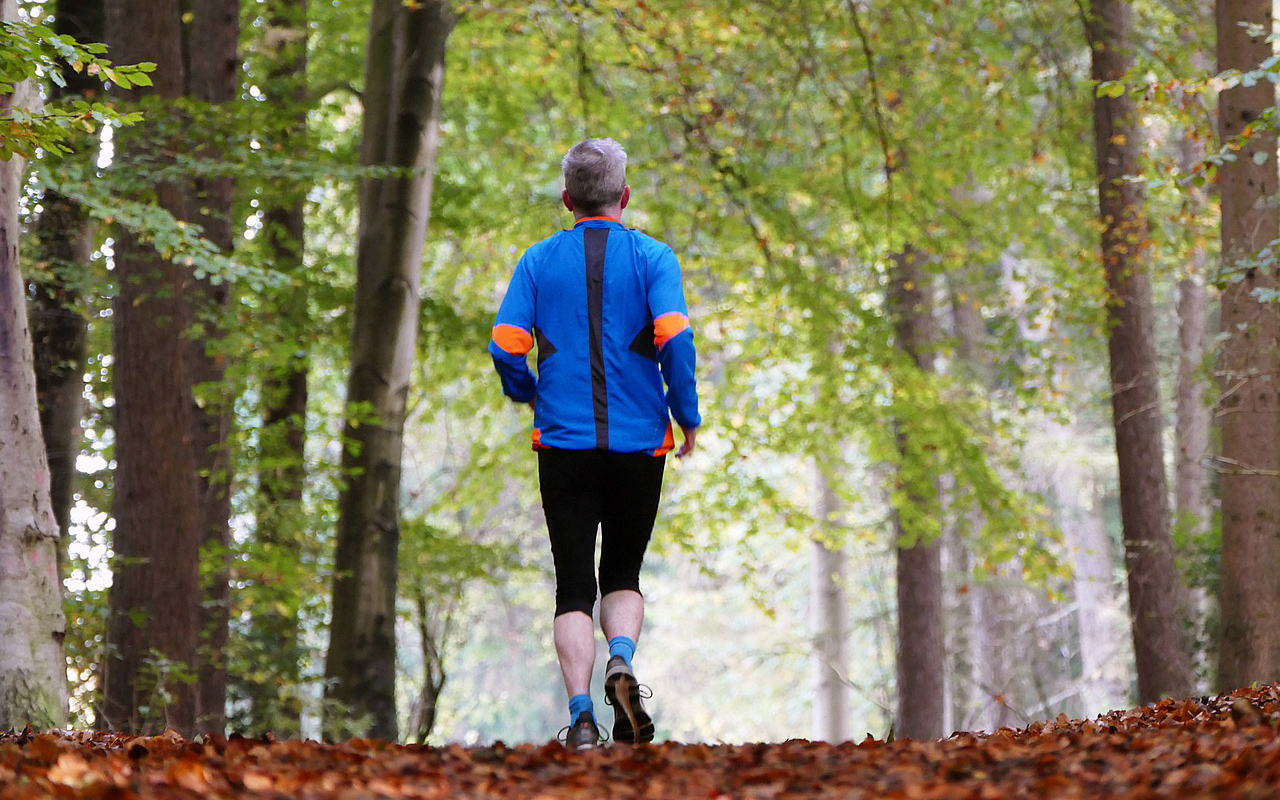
x=586 y=489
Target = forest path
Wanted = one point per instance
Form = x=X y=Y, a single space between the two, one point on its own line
x=1221 y=747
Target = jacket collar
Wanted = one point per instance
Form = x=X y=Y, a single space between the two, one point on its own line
x=597 y=221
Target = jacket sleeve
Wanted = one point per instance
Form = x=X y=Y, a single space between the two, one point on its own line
x=673 y=337
x=513 y=336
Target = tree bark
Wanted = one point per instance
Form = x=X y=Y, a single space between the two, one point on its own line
x=1156 y=600
x=1249 y=593
x=160 y=497
x=921 y=648
x=404 y=72
x=33 y=677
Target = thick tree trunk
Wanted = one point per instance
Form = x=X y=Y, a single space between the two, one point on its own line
x=1156 y=600
x=1249 y=594
x=167 y=475
x=59 y=326
x=921 y=648
x=64 y=241
x=830 y=614
x=213 y=79
x=404 y=72
x=33 y=677
x=275 y=702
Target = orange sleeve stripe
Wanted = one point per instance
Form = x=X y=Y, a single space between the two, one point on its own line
x=512 y=338
x=668 y=443
x=668 y=325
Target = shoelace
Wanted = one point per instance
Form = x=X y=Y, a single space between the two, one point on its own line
x=641 y=689
x=563 y=735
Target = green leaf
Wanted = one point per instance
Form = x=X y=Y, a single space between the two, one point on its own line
x=1110 y=89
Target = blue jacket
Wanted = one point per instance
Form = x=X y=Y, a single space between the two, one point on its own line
x=606 y=306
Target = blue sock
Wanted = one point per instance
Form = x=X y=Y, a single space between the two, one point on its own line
x=623 y=646
x=579 y=703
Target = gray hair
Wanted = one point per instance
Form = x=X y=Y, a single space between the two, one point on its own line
x=595 y=173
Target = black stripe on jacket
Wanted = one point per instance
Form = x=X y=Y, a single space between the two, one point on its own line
x=594 y=241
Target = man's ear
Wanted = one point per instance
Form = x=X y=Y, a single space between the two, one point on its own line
x=564 y=197
x=626 y=196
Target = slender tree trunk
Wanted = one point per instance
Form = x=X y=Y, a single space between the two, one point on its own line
x=422 y=716
x=1193 y=515
x=404 y=72
x=214 y=81
x=980 y=699
x=33 y=677
x=1155 y=594
x=921 y=650
x=830 y=614
x=64 y=242
x=1194 y=422
x=276 y=704
x=1099 y=608
x=1249 y=593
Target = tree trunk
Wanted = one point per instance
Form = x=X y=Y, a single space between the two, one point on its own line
x=275 y=702
x=1194 y=422
x=1156 y=601
x=214 y=80
x=979 y=698
x=64 y=243
x=404 y=71
x=33 y=672
x=1249 y=593
x=422 y=716
x=1191 y=486
x=1099 y=608
x=1193 y=425
x=830 y=615
x=921 y=650
x=154 y=602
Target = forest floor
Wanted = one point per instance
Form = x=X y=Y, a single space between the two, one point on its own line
x=1217 y=747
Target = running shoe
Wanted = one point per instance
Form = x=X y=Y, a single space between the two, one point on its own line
x=631 y=724
x=583 y=734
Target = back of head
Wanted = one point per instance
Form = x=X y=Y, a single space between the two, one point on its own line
x=595 y=174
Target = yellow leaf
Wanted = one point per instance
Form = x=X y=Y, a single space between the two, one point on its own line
x=1119 y=138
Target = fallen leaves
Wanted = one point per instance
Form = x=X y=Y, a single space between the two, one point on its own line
x=1214 y=747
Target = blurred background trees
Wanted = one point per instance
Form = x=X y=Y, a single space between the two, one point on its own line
x=908 y=232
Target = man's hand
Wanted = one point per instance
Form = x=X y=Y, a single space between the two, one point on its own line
x=690 y=441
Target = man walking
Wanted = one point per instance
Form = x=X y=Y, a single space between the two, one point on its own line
x=606 y=306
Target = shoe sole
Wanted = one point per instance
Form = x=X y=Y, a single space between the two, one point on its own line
x=631 y=724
